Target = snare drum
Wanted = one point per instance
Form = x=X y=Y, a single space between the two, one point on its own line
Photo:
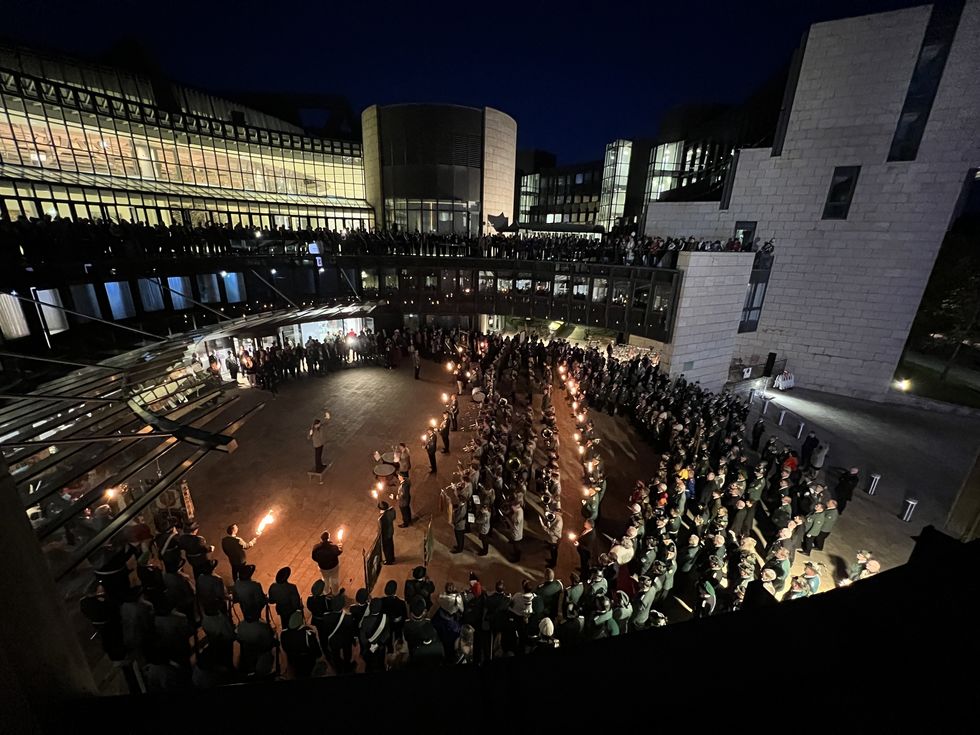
x=389 y=458
x=384 y=471
x=478 y=396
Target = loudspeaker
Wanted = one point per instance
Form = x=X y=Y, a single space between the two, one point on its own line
x=770 y=364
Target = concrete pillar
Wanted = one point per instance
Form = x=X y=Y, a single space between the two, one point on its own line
x=40 y=657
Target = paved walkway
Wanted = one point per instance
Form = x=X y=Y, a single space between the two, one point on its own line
x=918 y=453
x=371 y=409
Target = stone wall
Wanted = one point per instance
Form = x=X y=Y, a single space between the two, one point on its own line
x=709 y=307
x=499 y=164
x=843 y=293
x=372 y=163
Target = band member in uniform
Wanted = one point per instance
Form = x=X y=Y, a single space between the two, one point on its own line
x=429 y=442
x=444 y=432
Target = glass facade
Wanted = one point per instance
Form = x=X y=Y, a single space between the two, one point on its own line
x=664 y=170
x=565 y=195
x=429 y=215
x=58 y=134
x=615 y=174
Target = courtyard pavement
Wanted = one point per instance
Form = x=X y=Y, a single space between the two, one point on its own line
x=916 y=452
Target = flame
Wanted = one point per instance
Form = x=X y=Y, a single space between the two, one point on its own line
x=423 y=437
x=571 y=536
x=450 y=366
x=432 y=422
x=340 y=534
x=577 y=436
x=445 y=398
x=110 y=493
x=581 y=450
x=581 y=417
x=374 y=494
x=266 y=520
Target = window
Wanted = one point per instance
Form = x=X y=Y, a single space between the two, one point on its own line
x=842 y=187
x=207 y=284
x=523 y=283
x=505 y=285
x=561 y=287
x=235 y=288
x=921 y=93
x=85 y=301
x=755 y=296
x=12 y=321
x=151 y=295
x=486 y=281
x=621 y=293
x=542 y=288
x=369 y=280
x=600 y=290
x=580 y=288
x=180 y=288
x=120 y=299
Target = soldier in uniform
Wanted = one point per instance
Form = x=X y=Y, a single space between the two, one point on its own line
x=196 y=548
x=341 y=632
x=374 y=636
x=454 y=411
x=444 y=432
x=235 y=548
x=429 y=442
x=248 y=593
x=386 y=522
x=813 y=525
x=552 y=524
x=550 y=593
x=405 y=500
x=483 y=527
x=166 y=543
x=301 y=646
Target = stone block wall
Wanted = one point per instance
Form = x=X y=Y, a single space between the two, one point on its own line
x=372 y=163
x=499 y=164
x=709 y=307
x=843 y=293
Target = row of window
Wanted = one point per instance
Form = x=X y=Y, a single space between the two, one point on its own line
x=36 y=200
x=48 y=136
x=451 y=283
x=119 y=294
x=200 y=113
x=431 y=215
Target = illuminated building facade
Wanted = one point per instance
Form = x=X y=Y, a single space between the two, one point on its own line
x=90 y=142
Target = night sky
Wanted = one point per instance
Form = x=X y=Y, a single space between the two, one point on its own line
x=575 y=76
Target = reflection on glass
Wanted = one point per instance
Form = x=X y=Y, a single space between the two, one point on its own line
x=369 y=280
x=600 y=290
x=505 y=285
x=561 y=286
x=486 y=281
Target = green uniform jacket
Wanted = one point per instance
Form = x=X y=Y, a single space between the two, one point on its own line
x=830 y=517
x=814 y=524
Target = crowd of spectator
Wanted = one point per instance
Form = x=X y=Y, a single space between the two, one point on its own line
x=47 y=240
